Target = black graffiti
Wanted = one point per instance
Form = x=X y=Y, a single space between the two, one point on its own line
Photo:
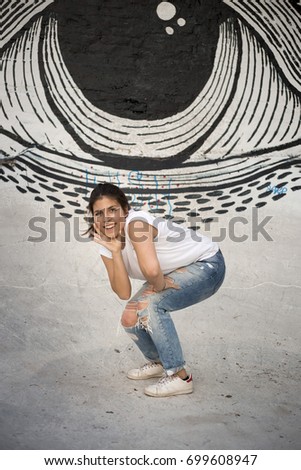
x=190 y=97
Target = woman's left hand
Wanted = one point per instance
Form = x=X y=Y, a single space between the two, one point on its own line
x=169 y=284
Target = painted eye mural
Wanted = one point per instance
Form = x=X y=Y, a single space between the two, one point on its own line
x=190 y=106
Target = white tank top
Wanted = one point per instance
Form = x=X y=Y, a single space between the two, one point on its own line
x=176 y=246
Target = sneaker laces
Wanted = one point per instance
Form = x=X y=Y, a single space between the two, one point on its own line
x=166 y=378
x=149 y=365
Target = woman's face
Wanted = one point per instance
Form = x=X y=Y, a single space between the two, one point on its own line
x=109 y=217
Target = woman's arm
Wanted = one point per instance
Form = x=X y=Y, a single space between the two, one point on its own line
x=118 y=275
x=142 y=237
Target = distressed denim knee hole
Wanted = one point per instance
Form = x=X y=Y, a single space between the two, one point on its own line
x=132 y=312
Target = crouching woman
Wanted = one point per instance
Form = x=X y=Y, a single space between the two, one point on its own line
x=180 y=268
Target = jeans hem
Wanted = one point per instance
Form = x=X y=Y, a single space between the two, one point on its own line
x=174 y=370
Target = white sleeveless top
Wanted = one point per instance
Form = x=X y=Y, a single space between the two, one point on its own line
x=175 y=245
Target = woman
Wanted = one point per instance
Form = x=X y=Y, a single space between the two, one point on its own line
x=180 y=268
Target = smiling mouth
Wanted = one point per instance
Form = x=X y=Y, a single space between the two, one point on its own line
x=109 y=226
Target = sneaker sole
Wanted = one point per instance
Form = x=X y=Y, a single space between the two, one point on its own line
x=145 y=377
x=150 y=394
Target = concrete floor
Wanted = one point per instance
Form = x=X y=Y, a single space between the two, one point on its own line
x=63 y=360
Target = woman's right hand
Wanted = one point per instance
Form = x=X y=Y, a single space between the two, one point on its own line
x=114 y=245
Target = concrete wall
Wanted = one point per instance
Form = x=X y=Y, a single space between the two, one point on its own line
x=193 y=107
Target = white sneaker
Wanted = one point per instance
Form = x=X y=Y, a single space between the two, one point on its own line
x=148 y=371
x=169 y=386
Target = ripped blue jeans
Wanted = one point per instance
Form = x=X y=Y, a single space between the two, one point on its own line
x=155 y=333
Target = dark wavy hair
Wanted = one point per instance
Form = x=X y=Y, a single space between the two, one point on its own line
x=100 y=191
